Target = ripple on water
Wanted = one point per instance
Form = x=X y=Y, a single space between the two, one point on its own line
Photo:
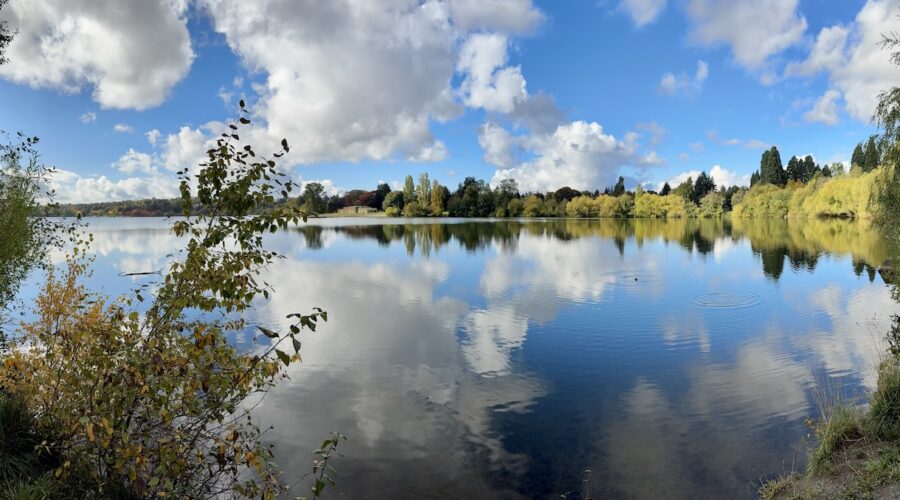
x=727 y=299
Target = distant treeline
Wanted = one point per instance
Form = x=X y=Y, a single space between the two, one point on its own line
x=802 y=189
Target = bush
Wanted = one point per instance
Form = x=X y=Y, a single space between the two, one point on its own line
x=392 y=212
x=152 y=401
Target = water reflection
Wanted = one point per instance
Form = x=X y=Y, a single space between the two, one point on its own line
x=502 y=359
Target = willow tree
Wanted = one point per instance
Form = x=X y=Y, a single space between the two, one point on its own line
x=887 y=116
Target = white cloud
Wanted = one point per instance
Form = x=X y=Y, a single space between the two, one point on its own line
x=825 y=110
x=643 y=12
x=130 y=52
x=754 y=29
x=576 y=154
x=73 y=188
x=133 y=161
x=88 y=117
x=719 y=174
x=153 y=136
x=187 y=148
x=511 y=16
x=312 y=58
x=713 y=136
x=683 y=83
x=498 y=144
x=123 y=128
x=857 y=66
x=827 y=52
x=490 y=84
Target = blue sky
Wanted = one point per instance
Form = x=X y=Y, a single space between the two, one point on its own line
x=124 y=92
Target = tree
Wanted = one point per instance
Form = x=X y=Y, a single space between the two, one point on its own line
x=423 y=190
x=685 y=190
x=703 y=186
x=754 y=178
x=809 y=168
x=794 y=170
x=312 y=199
x=151 y=401
x=565 y=193
x=409 y=189
x=5 y=35
x=859 y=157
x=771 y=170
x=380 y=193
x=619 y=188
x=394 y=199
x=887 y=115
x=666 y=189
x=437 y=199
x=872 y=156
x=26 y=237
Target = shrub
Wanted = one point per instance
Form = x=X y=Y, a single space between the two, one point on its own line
x=154 y=402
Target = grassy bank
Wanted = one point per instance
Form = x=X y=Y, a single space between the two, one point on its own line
x=857 y=449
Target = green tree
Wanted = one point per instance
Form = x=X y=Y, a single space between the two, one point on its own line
x=313 y=199
x=409 y=189
x=754 y=178
x=859 y=157
x=809 y=168
x=794 y=169
x=437 y=199
x=887 y=115
x=619 y=188
x=685 y=190
x=394 y=199
x=666 y=189
x=771 y=170
x=381 y=193
x=872 y=155
x=702 y=186
x=423 y=191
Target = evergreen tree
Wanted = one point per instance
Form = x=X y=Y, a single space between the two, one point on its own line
x=872 y=156
x=809 y=168
x=686 y=190
x=794 y=169
x=754 y=178
x=703 y=186
x=859 y=156
x=619 y=188
x=771 y=170
x=666 y=189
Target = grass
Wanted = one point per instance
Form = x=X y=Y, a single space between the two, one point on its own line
x=857 y=454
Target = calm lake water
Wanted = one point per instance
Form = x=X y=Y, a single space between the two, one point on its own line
x=503 y=359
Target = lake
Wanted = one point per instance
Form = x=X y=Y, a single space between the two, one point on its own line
x=504 y=359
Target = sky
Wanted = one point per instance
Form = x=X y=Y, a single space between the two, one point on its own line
x=123 y=93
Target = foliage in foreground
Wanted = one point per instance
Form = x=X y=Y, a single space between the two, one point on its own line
x=158 y=403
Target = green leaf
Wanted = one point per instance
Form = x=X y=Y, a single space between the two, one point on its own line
x=296 y=344
x=283 y=357
x=267 y=332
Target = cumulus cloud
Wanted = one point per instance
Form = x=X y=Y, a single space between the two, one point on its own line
x=755 y=30
x=511 y=16
x=405 y=49
x=577 y=154
x=74 y=188
x=153 y=136
x=643 y=12
x=129 y=52
x=490 y=84
x=683 y=83
x=123 y=128
x=856 y=65
x=825 y=110
x=719 y=174
x=88 y=117
x=133 y=161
